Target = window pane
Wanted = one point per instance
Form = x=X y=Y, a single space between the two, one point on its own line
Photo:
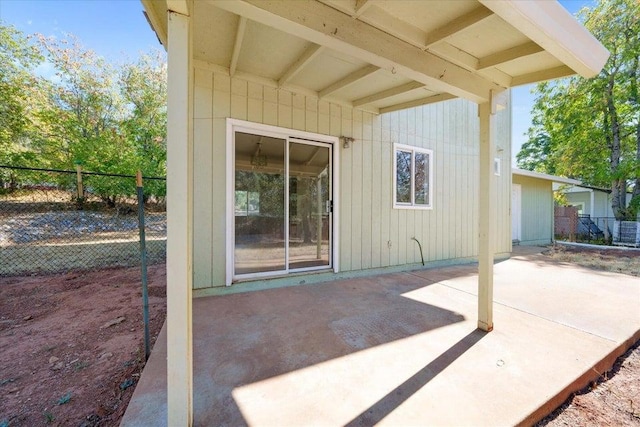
x=241 y=203
x=259 y=204
x=422 y=179
x=403 y=177
x=253 y=205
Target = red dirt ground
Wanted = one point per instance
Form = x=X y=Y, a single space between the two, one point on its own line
x=60 y=361
x=614 y=400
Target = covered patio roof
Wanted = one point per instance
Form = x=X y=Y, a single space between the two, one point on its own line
x=382 y=56
x=374 y=55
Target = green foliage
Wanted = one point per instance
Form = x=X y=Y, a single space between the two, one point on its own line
x=49 y=417
x=18 y=59
x=589 y=129
x=127 y=383
x=560 y=197
x=64 y=399
x=104 y=117
x=80 y=365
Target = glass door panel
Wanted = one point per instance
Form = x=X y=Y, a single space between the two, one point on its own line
x=309 y=206
x=260 y=214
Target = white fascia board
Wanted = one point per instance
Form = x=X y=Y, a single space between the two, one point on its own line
x=178 y=6
x=547 y=177
x=553 y=28
x=150 y=8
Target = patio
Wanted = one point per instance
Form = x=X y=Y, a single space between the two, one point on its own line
x=401 y=349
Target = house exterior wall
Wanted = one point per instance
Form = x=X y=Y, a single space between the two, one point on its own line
x=537 y=210
x=372 y=234
x=602 y=205
x=601 y=202
x=583 y=197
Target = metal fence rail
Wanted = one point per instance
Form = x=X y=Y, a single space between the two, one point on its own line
x=55 y=221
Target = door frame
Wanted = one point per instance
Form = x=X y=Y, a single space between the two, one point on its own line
x=236 y=125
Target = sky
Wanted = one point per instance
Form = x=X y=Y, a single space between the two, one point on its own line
x=117 y=30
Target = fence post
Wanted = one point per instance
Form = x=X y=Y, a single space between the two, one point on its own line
x=79 y=187
x=143 y=262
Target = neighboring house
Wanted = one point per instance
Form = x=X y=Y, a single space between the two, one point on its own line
x=592 y=201
x=310 y=140
x=532 y=206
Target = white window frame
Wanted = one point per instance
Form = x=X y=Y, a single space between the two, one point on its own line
x=413 y=150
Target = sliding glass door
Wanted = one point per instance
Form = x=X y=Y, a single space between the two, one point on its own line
x=309 y=205
x=283 y=205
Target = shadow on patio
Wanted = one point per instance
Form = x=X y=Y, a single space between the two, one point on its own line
x=275 y=355
x=400 y=349
x=255 y=348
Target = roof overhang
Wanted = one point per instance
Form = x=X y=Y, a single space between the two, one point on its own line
x=544 y=176
x=383 y=56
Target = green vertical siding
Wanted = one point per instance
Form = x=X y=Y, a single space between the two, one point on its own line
x=537 y=210
x=372 y=233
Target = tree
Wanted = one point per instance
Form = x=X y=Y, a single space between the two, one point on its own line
x=18 y=58
x=143 y=86
x=590 y=129
x=105 y=118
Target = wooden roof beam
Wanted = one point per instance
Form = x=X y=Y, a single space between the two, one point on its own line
x=361 y=7
x=324 y=25
x=507 y=55
x=539 y=76
x=457 y=25
x=237 y=47
x=398 y=90
x=418 y=102
x=304 y=60
x=550 y=26
x=348 y=80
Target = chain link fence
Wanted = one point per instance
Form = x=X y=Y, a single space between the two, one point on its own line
x=54 y=221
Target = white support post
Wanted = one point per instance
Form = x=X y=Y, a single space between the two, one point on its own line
x=487 y=211
x=179 y=222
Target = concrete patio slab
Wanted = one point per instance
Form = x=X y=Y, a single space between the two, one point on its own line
x=401 y=349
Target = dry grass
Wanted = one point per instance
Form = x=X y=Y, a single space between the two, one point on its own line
x=55 y=258
x=613 y=260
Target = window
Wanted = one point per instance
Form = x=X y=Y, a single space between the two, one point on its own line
x=247 y=203
x=412 y=171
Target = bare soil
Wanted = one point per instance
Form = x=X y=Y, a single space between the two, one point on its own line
x=613 y=400
x=71 y=345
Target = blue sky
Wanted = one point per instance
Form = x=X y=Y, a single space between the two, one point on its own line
x=116 y=29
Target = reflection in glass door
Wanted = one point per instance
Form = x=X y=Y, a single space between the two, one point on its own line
x=309 y=205
x=260 y=244
x=282 y=206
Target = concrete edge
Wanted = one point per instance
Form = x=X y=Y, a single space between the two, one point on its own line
x=591 y=375
x=591 y=246
x=311 y=278
x=131 y=411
